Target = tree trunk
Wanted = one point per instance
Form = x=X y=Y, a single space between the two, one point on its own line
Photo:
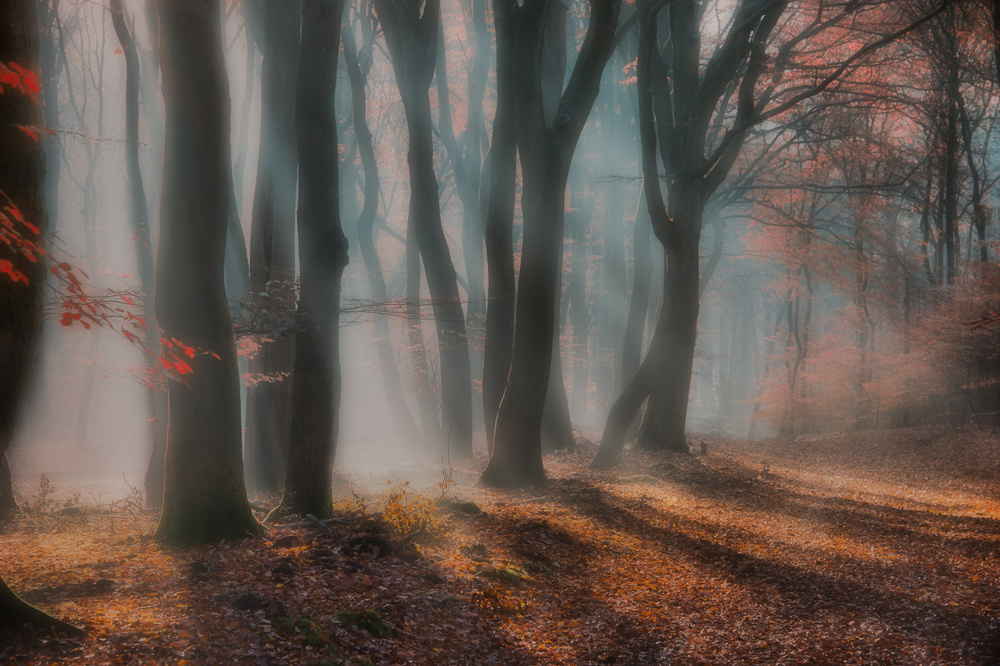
x=8 y=503
x=546 y=148
x=500 y=223
x=48 y=15
x=316 y=383
x=576 y=296
x=664 y=422
x=422 y=385
x=638 y=304
x=138 y=212
x=406 y=427
x=22 y=186
x=412 y=38
x=272 y=240
x=204 y=497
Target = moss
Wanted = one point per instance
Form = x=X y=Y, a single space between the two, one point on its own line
x=368 y=620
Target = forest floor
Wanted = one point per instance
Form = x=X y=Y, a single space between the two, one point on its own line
x=876 y=548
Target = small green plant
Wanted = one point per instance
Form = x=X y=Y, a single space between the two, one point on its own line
x=369 y=621
x=317 y=638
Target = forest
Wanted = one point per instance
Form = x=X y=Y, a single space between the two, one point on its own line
x=499 y=332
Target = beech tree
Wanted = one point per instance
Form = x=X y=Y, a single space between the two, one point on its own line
x=22 y=280
x=316 y=384
x=204 y=497
x=358 y=66
x=275 y=26
x=547 y=131
x=412 y=32
x=684 y=104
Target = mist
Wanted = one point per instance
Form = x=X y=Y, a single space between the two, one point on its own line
x=315 y=263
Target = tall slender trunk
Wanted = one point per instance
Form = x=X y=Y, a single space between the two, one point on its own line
x=576 y=295
x=635 y=325
x=422 y=386
x=402 y=418
x=316 y=383
x=412 y=37
x=204 y=497
x=272 y=234
x=500 y=223
x=546 y=141
x=138 y=212
x=48 y=19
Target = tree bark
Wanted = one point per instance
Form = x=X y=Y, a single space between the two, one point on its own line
x=635 y=324
x=546 y=152
x=22 y=188
x=138 y=212
x=677 y=100
x=499 y=226
x=316 y=383
x=204 y=498
x=8 y=503
x=412 y=37
x=275 y=26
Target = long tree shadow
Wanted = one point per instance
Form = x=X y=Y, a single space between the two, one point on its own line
x=804 y=593
x=974 y=536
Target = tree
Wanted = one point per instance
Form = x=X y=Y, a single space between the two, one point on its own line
x=683 y=106
x=22 y=213
x=498 y=228
x=275 y=26
x=412 y=38
x=547 y=131
x=401 y=415
x=204 y=497
x=138 y=214
x=316 y=383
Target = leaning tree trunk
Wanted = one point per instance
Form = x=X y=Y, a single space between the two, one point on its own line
x=22 y=189
x=412 y=37
x=204 y=498
x=547 y=134
x=275 y=26
x=316 y=383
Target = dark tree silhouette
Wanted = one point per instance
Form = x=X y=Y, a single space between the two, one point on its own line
x=22 y=187
x=275 y=26
x=412 y=37
x=204 y=497
x=401 y=416
x=499 y=225
x=316 y=383
x=547 y=134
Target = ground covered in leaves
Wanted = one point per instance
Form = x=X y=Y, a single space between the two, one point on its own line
x=863 y=548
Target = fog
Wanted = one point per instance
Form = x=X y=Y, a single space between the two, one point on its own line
x=793 y=338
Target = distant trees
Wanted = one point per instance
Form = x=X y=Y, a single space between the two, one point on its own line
x=412 y=32
x=204 y=493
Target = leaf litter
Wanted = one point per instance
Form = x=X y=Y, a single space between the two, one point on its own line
x=867 y=548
